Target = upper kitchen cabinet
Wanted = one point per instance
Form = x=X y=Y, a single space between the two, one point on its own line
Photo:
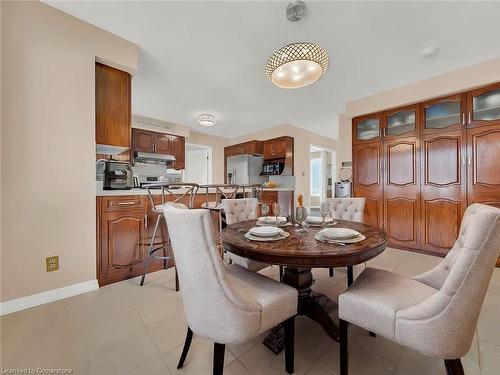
x=251 y=147
x=401 y=122
x=366 y=128
x=160 y=143
x=444 y=114
x=278 y=148
x=112 y=106
x=483 y=106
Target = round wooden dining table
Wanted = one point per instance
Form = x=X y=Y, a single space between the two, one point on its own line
x=299 y=253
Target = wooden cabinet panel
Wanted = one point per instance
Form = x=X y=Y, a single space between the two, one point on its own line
x=112 y=106
x=402 y=192
x=483 y=165
x=483 y=106
x=367 y=163
x=443 y=198
x=367 y=129
x=122 y=248
x=179 y=151
x=143 y=140
x=278 y=148
x=401 y=122
x=444 y=114
x=164 y=143
x=268 y=150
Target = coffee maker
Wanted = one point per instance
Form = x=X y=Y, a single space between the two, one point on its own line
x=118 y=175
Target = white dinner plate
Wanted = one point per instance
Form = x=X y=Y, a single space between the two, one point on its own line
x=338 y=233
x=320 y=238
x=281 y=236
x=317 y=221
x=265 y=231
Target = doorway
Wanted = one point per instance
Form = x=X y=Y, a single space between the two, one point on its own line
x=322 y=175
x=198 y=164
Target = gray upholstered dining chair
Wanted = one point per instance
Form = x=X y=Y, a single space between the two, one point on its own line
x=225 y=304
x=237 y=210
x=434 y=313
x=351 y=209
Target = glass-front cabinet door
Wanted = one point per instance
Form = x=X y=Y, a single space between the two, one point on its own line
x=444 y=114
x=483 y=106
x=401 y=122
x=366 y=128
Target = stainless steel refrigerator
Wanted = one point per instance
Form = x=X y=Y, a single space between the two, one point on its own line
x=245 y=169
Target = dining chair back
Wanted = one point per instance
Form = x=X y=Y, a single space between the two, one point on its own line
x=347 y=208
x=435 y=313
x=237 y=210
x=226 y=304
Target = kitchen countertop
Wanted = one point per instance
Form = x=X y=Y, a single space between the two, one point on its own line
x=136 y=191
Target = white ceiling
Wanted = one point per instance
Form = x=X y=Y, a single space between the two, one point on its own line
x=210 y=56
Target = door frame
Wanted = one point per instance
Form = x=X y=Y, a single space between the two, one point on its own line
x=210 y=158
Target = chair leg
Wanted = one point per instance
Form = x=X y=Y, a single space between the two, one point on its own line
x=151 y=246
x=176 y=280
x=281 y=272
x=344 y=354
x=187 y=344
x=219 y=350
x=453 y=367
x=289 y=344
x=350 y=275
x=330 y=272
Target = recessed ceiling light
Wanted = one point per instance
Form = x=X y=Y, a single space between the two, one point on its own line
x=206 y=119
x=428 y=51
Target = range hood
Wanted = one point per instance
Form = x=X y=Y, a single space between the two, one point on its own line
x=150 y=158
x=109 y=150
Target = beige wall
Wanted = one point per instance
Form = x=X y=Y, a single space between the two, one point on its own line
x=217 y=144
x=303 y=140
x=48 y=144
x=452 y=82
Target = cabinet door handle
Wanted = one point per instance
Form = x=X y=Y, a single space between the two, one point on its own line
x=126 y=203
x=154 y=146
x=463 y=118
x=470 y=117
x=145 y=220
x=468 y=160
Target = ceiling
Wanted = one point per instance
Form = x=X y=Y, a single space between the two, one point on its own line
x=209 y=56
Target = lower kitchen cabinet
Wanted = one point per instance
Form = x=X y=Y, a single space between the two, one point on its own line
x=284 y=197
x=123 y=233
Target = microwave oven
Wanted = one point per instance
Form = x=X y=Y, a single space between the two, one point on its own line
x=273 y=168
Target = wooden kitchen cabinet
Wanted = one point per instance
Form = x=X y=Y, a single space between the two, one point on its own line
x=438 y=157
x=143 y=140
x=251 y=147
x=278 y=148
x=160 y=143
x=113 y=106
x=123 y=233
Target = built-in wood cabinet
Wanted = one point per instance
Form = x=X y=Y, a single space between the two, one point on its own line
x=251 y=147
x=160 y=143
x=278 y=148
x=421 y=165
x=113 y=106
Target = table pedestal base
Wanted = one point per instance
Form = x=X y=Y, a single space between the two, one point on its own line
x=313 y=305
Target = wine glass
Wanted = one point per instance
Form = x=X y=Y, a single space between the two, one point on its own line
x=277 y=209
x=300 y=218
x=324 y=210
x=264 y=209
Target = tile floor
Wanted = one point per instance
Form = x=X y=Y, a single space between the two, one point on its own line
x=128 y=330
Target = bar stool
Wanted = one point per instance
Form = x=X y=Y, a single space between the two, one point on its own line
x=180 y=193
x=222 y=191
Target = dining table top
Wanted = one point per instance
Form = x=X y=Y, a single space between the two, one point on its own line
x=302 y=249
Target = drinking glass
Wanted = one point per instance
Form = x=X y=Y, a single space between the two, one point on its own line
x=277 y=209
x=264 y=209
x=300 y=218
x=324 y=210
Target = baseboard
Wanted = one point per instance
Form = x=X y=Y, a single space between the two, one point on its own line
x=22 y=303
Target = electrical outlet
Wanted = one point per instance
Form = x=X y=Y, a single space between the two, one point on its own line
x=52 y=263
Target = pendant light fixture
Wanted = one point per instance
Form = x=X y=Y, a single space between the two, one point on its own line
x=297 y=64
